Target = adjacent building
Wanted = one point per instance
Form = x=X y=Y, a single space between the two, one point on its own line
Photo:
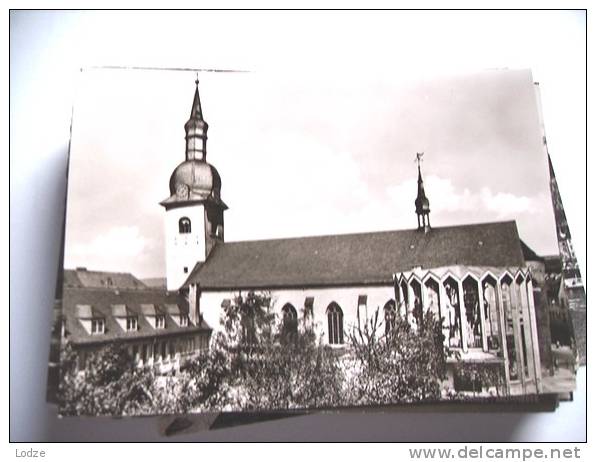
x=101 y=308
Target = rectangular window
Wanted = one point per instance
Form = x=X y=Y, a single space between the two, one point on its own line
x=512 y=355
x=309 y=306
x=131 y=323
x=97 y=326
x=183 y=320
x=163 y=350
x=524 y=351
x=160 y=322
x=362 y=311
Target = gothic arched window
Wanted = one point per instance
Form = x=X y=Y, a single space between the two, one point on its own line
x=335 y=320
x=452 y=312
x=512 y=354
x=289 y=320
x=473 y=323
x=491 y=314
x=184 y=225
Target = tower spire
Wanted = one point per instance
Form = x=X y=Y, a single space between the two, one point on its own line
x=196 y=129
x=196 y=111
x=422 y=203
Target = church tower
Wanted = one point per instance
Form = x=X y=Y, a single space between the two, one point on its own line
x=422 y=204
x=194 y=211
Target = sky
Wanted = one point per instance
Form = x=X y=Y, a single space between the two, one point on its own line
x=319 y=135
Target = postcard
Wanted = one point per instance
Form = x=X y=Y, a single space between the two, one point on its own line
x=248 y=242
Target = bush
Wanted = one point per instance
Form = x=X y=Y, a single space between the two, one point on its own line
x=273 y=366
x=109 y=385
x=403 y=365
x=257 y=363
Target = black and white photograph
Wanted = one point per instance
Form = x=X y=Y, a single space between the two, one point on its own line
x=240 y=241
x=298 y=225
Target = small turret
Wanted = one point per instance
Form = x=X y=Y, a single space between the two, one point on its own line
x=422 y=204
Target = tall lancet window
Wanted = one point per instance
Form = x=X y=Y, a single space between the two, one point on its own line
x=473 y=324
x=453 y=312
x=184 y=225
x=506 y=294
x=289 y=321
x=335 y=320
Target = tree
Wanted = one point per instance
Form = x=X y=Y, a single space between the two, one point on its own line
x=208 y=381
x=272 y=366
x=112 y=384
x=400 y=365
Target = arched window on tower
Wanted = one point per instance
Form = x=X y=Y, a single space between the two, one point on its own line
x=184 y=225
x=335 y=320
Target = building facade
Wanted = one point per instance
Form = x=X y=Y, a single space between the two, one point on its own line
x=474 y=277
x=103 y=308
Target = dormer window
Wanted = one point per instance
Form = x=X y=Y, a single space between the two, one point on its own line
x=98 y=326
x=160 y=322
x=183 y=320
x=132 y=323
x=184 y=225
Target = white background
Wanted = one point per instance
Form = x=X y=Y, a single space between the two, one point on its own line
x=47 y=49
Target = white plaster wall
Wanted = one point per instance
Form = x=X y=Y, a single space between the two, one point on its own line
x=347 y=298
x=183 y=250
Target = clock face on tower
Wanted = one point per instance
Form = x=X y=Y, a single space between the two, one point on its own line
x=182 y=191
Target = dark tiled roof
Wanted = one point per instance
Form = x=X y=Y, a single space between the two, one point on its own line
x=352 y=259
x=101 y=302
x=529 y=254
x=151 y=309
x=155 y=282
x=82 y=277
x=553 y=264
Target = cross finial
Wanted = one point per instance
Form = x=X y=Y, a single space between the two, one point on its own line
x=419 y=157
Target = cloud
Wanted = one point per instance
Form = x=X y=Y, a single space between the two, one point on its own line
x=117 y=242
x=507 y=204
x=445 y=197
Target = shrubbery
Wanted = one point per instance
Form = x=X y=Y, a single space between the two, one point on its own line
x=256 y=362
x=400 y=365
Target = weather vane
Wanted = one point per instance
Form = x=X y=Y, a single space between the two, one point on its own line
x=419 y=157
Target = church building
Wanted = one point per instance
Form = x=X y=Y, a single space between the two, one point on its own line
x=472 y=276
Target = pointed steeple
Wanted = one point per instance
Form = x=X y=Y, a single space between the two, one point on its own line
x=196 y=111
x=422 y=203
x=196 y=130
